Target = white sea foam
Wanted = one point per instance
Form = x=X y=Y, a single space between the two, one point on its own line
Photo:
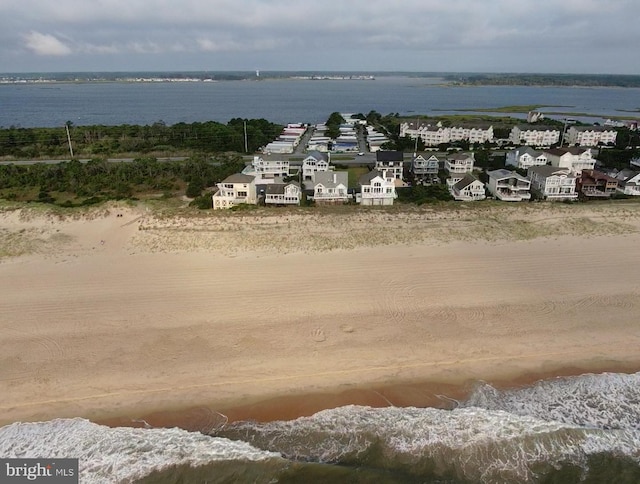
x=470 y=443
x=121 y=454
x=608 y=400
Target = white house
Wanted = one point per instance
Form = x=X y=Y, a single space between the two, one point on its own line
x=330 y=187
x=629 y=182
x=314 y=162
x=270 y=167
x=459 y=163
x=576 y=159
x=591 y=135
x=234 y=190
x=468 y=189
x=425 y=169
x=375 y=189
x=534 y=135
x=553 y=183
x=283 y=194
x=391 y=164
x=525 y=157
x=509 y=186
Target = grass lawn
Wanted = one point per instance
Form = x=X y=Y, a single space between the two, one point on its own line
x=355 y=172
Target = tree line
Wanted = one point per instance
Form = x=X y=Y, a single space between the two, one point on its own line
x=76 y=183
x=100 y=140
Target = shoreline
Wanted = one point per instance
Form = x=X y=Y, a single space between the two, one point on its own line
x=422 y=394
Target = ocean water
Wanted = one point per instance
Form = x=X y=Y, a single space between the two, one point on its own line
x=283 y=100
x=564 y=430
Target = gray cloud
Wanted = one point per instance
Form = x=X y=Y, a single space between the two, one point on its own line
x=360 y=34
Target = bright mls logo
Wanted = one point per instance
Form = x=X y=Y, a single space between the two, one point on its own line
x=50 y=471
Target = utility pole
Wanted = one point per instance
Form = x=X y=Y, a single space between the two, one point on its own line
x=246 y=144
x=69 y=140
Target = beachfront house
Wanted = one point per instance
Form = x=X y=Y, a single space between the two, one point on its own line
x=629 y=182
x=594 y=184
x=283 y=194
x=576 y=159
x=425 y=170
x=591 y=135
x=314 y=162
x=467 y=189
x=235 y=190
x=376 y=189
x=525 y=157
x=509 y=186
x=534 y=135
x=459 y=163
x=552 y=183
x=330 y=187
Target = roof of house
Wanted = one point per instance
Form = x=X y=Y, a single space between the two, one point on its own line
x=278 y=188
x=592 y=128
x=460 y=156
x=318 y=155
x=465 y=182
x=389 y=156
x=367 y=177
x=536 y=127
x=548 y=170
x=331 y=179
x=502 y=173
x=238 y=178
x=593 y=175
x=427 y=157
x=574 y=150
x=528 y=150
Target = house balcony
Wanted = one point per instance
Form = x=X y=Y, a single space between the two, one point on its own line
x=513 y=186
x=331 y=196
x=458 y=168
x=513 y=196
x=424 y=170
x=592 y=192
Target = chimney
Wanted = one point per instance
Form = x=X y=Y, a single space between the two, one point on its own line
x=335 y=178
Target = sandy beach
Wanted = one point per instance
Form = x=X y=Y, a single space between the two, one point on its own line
x=122 y=312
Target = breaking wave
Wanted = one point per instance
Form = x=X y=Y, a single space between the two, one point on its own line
x=578 y=429
x=606 y=401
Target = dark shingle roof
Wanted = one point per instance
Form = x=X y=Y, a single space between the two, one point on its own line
x=389 y=156
x=465 y=181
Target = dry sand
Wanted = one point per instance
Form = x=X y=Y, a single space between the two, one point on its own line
x=123 y=311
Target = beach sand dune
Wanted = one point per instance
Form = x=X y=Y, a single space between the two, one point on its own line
x=128 y=312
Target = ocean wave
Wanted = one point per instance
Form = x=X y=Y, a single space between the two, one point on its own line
x=466 y=444
x=605 y=401
x=128 y=454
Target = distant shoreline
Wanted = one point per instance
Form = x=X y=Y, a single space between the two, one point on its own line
x=449 y=79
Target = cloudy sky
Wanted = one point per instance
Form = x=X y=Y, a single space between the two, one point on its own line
x=573 y=36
